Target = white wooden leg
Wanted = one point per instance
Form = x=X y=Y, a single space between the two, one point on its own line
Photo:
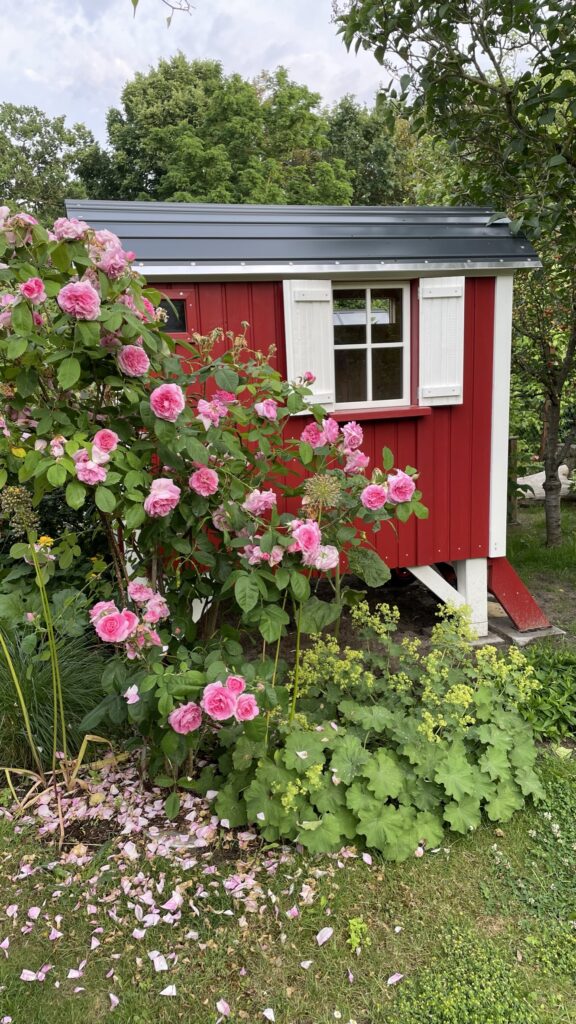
x=472 y=577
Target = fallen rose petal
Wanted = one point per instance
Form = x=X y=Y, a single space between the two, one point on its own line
x=34 y=913
x=78 y=989
x=269 y=1014
x=223 y=1008
x=55 y=934
x=12 y=910
x=4 y=946
x=323 y=935
x=367 y=858
x=170 y=990
x=350 y=976
x=306 y=964
x=394 y=979
x=28 y=975
x=293 y=912
x=113 y=1000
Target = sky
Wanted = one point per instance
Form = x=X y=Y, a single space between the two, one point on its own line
x=73 y=57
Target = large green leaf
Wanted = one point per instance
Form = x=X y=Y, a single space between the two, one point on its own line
x=326 y=834
x=272 y=621
x=68 y=372
x=368 y=565
x=370 y=716
x=460 y=778
x=105 y=499
x=303 y=749
x=389 y=829
x=75 y=494
x=348 y=759
x=246 y=592
x=507 y=799
x=385 y=774
x=317 y=614
x=463 y=815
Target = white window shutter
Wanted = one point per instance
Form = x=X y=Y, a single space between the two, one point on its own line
x=310 y=336
x=441 y=364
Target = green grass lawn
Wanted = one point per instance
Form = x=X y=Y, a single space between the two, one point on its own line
x=550 y=573
x=482 y=930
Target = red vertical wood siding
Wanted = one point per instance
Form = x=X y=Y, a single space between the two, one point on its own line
x=450 y=447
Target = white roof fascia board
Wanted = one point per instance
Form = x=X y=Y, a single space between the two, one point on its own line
x=269 y=271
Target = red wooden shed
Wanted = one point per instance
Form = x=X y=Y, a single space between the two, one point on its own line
x=404 y=314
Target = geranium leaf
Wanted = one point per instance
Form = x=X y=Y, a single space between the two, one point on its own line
x=463 y=815
x=348 y=759
x=385 y=774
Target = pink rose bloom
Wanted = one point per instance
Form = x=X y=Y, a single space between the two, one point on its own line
x=133 y=361
x=106 y=440
x=69 y=230
x=110 y=341
x=167 y=402
x=258 y=502
x=80 y=456
x=313 y=436
x=254 y=554
x=210 y=413
x=163 y=498
x=246 y=708
x=356 y=462
x=139 y=590
x=276 y=555
x=98 y=456
x=309 y=377
x=186 y=719
x=38 y=321
x=89 y=472
x=268 y=409
x=374 y=496
x=102 y=608
x=218 y=702
x=79 y=299
x=220 y=519
x=401 y=487
x=57 y=446
x=156 y=609
x=40 y=444
x=113 y=262
x=327 y=557
x=19 y=221
x=204 y=481
x=33 y=289
x=353 y=436
x=236 y=684
x=103 y=239
x=330 y=430
x=131 y=695
x=307 y=537
x=116 y=627
x=225 y=397
x=149 y=311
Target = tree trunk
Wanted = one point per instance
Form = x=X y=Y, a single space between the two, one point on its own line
x=552 y=485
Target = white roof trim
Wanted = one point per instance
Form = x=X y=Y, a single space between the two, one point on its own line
x=275 y=271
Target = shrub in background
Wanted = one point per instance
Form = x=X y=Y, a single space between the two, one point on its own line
x=551 y=709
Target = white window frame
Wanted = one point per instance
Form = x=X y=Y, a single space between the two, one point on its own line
x=405 y=344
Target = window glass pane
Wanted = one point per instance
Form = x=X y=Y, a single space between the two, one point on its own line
x=351 y=375
x=386 y=374
x=350 y=316
x=176 y=310
x=386 y=314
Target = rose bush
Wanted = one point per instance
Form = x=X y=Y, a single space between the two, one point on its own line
x=218 y=527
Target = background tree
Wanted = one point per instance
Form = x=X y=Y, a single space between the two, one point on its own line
x=39 y=158
x=186 y=131
x=496 y=80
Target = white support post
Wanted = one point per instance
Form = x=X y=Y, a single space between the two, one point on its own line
x=472 y=577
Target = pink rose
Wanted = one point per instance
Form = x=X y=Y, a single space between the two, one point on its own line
x=356 y=462
x=106 y=440
x=102 y=240
x=33 y=289
x=236 y=684
x=156 y=609
x=254 y=554
x=113 y=261
x=22 y=222
x=204 y=481
x=80 y=456
x=330 y=430
x=90 y=472
x=210 y=413
x=139 y=591
x=186 y=719
x=167 y=402
x=225 y=397
x=313 y=436
x=307 y=537
x=102 y=608
x=69 y=230
x=258 y=502
x=401 y=487
x=327 y=557
x=79 y=299
x=374 y=496
x=309 y=377
x=98 y=456
x=268 y=409
x=131 y=695
x=353 y=436
x=116 y=627
x=163 y=498
x=133 y=361
x=246 y=708
x=110 y=341
x=218 y=702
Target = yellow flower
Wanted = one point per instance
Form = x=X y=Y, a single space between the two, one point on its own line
x=45 y=542
x=19 y=453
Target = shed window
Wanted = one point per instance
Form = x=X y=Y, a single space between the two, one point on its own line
x=371 y=345
x=176 y=313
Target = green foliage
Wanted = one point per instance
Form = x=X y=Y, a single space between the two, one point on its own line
x=392 y=744
x=470 y=981
x=551 y=710
x=39 y=158
x=81 y=664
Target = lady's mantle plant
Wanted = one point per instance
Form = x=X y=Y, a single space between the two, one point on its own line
x=218 y=522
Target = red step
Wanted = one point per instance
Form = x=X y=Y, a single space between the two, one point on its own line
x=507 y=587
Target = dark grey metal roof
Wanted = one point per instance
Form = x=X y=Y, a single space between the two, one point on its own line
x=168 y=236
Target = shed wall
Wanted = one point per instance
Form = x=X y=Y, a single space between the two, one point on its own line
x=450 y=446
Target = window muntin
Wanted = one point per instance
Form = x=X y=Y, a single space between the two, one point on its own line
x=371 y=345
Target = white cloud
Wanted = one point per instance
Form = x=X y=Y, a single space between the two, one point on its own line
x=73 y=56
